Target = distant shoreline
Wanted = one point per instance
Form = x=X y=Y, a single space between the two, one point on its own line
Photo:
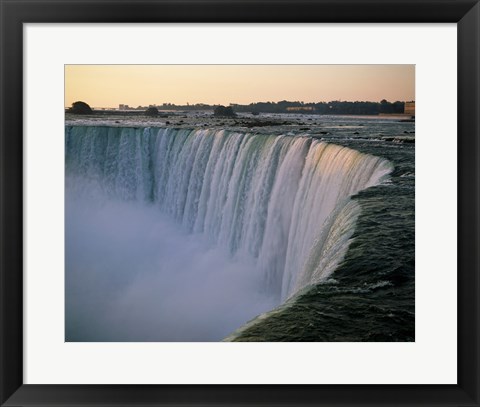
x=168 y=113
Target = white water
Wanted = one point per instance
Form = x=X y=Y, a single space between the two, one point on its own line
x=259 y=217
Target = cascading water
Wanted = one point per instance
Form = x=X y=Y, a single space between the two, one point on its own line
x=281 y=202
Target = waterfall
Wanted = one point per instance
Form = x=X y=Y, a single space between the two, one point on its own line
x=283 y=201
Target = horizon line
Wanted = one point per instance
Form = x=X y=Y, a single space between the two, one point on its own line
x=247 y=104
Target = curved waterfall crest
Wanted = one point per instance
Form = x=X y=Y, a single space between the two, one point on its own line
x=282 y=201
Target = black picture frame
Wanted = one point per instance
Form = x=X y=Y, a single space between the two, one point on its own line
x=14 y=13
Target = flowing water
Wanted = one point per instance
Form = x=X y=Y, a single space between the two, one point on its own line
x=181 y=234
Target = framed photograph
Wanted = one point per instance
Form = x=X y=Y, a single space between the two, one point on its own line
x=235 y=221
x=239 y=203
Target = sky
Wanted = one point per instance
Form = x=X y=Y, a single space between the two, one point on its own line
x=143 y=85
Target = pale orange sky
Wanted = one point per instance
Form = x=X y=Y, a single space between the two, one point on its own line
x=134 y=85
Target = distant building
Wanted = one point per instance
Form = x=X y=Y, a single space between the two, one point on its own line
x=123 y=107
x=300 y=109
x=409 y=108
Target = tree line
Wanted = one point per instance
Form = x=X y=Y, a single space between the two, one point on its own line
x=334 y=107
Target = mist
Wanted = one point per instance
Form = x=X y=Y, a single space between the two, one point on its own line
x=132 y=274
